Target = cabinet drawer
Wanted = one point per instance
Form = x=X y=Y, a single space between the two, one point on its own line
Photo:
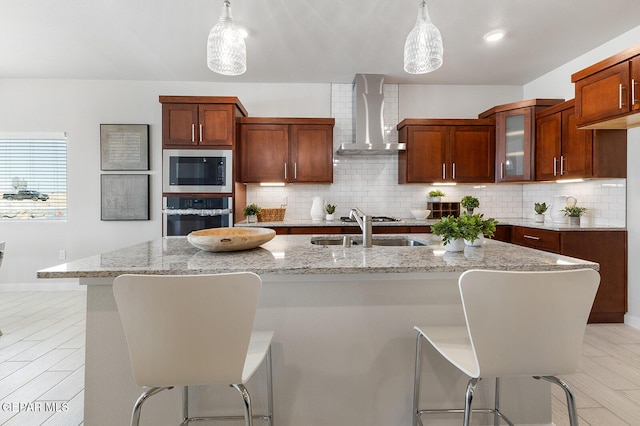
x=536 y=238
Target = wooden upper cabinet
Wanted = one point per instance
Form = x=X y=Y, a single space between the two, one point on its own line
x=565 y=152
x=311 y=152
x=515 y=138
x=446 y=150
x=607 y=93
x=290 y=150
x=199 y=121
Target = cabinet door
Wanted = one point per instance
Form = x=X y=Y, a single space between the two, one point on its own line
x=635 y=83
x=548 y=135
x=514 y=145
x=311 y=153
x=471 y=154
x=426 y=154
x=215 y=124
x=263 y=153
x=179 y=123
x=603 y=95
x=576 y=157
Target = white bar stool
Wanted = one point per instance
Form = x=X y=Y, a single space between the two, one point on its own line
x=190 y=330
x=517 y=324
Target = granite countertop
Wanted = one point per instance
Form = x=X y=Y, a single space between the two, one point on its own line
x=548 y=224
x=294 y=254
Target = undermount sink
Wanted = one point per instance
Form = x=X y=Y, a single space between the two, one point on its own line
x=376 y=241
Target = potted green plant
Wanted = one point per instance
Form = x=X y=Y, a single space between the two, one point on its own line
x=469 y=202
x=251 y=211
x=574 y=213
x=330 y=209
x=448 y=227
x=475 y=227
x=540 y=209
x=435 y=195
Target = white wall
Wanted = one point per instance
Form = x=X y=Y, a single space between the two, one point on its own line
x=558 y=83
x=78 y=108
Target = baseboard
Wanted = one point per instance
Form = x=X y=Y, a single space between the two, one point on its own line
x=632 y=321
x=43 y=286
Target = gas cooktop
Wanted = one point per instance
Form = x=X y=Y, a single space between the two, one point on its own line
x=373 y=219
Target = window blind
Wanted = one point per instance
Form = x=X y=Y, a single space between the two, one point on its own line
x=33 y=177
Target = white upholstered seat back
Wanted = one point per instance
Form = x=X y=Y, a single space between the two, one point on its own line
x=527 y=323
x=187 y=329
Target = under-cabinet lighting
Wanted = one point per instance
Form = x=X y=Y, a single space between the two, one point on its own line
x=479 y=186
x=612 y=185
x=271 y=183
x=569 y=180
x=444 y=184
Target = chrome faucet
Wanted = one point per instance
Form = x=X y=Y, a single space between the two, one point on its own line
x=364 y=221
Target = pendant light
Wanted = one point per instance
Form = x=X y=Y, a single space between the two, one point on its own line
x=226 y=50
x=423 y=47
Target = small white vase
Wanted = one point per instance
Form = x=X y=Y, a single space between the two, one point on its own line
x=329 y=217
x=477 y=242
x=539 y=218
x=317 y=209
x=574 y=220
x=252 y=218
x=455 y=245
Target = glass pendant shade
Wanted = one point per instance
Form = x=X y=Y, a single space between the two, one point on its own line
x=423 y=47
x=226 y=50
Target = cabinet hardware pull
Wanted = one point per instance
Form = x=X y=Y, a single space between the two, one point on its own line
x=444 y=171
x=530 y=237
x=555 y=166
x=501 y=170
x=620 y=102
x=193 y=132
x=633 y=91
x=285 y=171
x=295 y=170
x=562 y=165
x=453 y=171
x=200 y=133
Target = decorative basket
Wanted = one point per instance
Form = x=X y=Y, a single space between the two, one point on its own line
x=271 y=215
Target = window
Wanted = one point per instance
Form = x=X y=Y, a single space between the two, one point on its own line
x=33 y=176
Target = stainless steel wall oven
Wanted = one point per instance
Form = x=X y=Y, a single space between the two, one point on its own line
x=183 y=214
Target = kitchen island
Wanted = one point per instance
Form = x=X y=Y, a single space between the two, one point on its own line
x=343 y=317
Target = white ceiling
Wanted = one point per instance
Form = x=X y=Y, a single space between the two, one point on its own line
x=303 y=41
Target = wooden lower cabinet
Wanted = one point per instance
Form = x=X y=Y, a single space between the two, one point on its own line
x=607 y=248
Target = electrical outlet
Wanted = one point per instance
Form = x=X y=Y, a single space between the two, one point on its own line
x=62 y=254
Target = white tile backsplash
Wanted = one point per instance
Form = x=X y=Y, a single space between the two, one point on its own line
x=370 y=182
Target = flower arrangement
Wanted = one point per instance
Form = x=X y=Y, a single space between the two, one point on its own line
x=466 y=226
x=574 y=211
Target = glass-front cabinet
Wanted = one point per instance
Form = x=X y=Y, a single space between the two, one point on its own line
x=515 y=138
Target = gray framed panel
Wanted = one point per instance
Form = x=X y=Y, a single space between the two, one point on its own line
x=124 y=147
x=124 y=197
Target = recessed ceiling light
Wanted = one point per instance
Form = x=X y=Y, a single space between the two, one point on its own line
x=493 y=36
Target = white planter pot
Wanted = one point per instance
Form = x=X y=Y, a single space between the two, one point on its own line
x=455 y=245
x=539 y=218
x=330 y=216
x=252 y=218
x=477 y=242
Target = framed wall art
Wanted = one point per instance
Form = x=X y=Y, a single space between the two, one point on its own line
x=124 y=146
x=125 y=197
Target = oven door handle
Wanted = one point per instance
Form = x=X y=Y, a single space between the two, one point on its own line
x=197 y=212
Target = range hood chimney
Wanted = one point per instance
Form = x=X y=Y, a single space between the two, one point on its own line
x=368 y=122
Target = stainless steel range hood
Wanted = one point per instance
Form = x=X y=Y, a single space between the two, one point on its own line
x=368 y=122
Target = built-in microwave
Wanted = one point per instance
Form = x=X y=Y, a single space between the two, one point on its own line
x=197 y=170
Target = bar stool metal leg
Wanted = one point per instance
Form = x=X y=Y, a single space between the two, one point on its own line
x=137 y=407
x=471 y=387
x=248 y=416
x=269 y=417
x=571 y=404
x=416 y=420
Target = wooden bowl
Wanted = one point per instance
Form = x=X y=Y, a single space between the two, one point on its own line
x=230 y=239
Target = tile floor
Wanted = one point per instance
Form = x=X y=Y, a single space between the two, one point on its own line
x=42 y=365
